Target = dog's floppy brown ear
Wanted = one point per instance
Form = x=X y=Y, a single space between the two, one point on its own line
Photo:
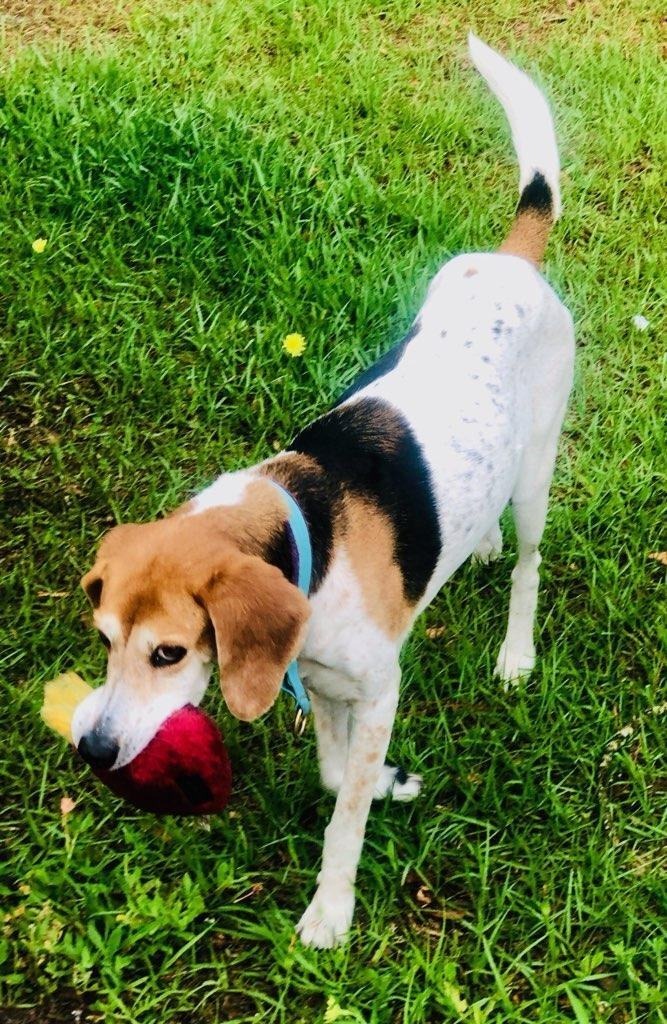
x=259 y=619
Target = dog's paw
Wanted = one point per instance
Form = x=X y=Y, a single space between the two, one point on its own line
x=327 y=919
x=489 y=549
x=514 y=664
x=397 y=783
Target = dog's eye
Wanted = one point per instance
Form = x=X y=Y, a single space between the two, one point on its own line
x=166 y=654
x=105 y=639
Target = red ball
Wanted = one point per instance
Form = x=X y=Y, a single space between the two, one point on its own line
x=185 y=769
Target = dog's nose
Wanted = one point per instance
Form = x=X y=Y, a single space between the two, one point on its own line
x=98 y=750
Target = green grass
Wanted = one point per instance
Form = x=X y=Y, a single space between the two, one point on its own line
x=216 y=178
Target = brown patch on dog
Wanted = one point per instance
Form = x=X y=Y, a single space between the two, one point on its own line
x=182 y=575
x=470 y=272
x=528 y=236
x=370 y=544
x=183 y=510
x=253 y=522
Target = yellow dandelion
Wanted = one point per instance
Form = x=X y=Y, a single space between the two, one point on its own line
x=294 y=344
x=39 y=245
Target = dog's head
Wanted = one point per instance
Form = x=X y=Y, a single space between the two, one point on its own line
x=168 y=598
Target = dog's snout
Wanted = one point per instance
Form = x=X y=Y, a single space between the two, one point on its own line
x=98 y=749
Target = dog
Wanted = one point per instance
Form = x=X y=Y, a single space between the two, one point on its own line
x=399 y=483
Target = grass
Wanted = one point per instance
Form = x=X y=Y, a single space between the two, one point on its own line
x=210 y=178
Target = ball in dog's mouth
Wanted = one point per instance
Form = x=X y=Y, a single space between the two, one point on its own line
x=184 y=769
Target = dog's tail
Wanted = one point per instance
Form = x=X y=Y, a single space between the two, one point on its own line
x=534 y=140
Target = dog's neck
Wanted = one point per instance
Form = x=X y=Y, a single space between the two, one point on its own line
x=253 y=516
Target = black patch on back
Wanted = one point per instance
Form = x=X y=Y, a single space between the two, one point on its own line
x=536 y=197
x=384 y=365
x=366 y=447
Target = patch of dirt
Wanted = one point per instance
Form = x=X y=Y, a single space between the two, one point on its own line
x=28 y=22
x=69 y=1009
x=424 y=31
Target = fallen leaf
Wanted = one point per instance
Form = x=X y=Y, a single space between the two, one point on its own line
x=424 y=896
x=658 y=556
x=67 y=805
x=433 y=632
x=249 y=893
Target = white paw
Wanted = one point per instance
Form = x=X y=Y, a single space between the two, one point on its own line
x=398 y=783
x=488 y=550
x=514 y=664
x=327 y=918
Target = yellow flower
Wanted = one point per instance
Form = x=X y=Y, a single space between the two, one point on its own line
x=39 y=245
x=294 y=344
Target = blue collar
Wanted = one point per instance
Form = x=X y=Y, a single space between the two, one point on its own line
x=302 y=561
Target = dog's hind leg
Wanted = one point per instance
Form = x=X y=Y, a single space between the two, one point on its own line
x=397 y=783
x=489 y=548
x=551 y=368
x=529 y=507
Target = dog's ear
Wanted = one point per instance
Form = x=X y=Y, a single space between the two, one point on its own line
x=259 y=619
x=92 y=583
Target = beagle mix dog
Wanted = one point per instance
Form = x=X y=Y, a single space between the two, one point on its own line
x=399 y=483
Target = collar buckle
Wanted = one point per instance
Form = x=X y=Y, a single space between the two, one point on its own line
x=300 y=723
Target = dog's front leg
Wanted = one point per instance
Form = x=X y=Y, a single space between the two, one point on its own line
x=329 y=915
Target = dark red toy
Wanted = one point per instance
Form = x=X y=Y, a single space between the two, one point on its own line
x=185 y=769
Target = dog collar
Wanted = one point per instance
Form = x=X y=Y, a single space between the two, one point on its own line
x=302 y=562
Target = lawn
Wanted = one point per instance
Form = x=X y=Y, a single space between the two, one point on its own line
x=208 y=177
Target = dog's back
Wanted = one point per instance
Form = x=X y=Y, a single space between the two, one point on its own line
x=488 y=359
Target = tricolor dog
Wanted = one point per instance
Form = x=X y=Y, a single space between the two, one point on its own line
x=398 y=484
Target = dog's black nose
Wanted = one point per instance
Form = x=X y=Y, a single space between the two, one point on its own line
x=98 y=750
